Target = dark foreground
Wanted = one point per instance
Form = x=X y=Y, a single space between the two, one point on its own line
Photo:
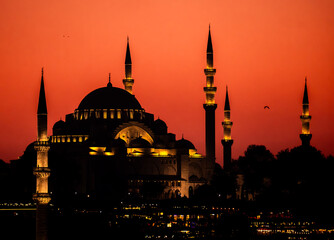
x=174 y=219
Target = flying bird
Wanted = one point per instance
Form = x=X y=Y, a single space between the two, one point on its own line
x=266 y=107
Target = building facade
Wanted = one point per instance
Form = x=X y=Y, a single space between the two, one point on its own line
x=110 y=146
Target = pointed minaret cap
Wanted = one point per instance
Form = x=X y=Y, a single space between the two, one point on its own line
x=128 y=55
x=209 y=47
x=227 y=101
x=42 y=101
x=305 y=98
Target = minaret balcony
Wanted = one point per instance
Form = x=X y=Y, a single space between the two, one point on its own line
x=42 y=172
x=210 y=89
x=305 y=117
x=41 y=198
x=42 y=146
x=42 y=143
x=227 y=124
x=210 y=71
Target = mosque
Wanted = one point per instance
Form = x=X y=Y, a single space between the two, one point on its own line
x=110 y=145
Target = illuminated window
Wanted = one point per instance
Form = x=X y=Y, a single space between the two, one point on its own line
x=97 y=113
x=86 y=114
x=119 y=114
x=105 y=113
x=131 y=113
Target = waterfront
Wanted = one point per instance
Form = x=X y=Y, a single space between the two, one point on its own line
x=163 y=220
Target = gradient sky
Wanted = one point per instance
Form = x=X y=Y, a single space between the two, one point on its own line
x=263 y=49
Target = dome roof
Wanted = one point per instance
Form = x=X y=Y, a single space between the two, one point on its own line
x=60 y=124
x=183 y=143
x=59 y=127
x=140 y=143
x=118 y=142
x=109 y=98
x=159 y=127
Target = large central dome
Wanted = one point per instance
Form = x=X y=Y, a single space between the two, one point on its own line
x=109 y=98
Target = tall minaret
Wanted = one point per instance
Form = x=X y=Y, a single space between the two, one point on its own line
x=305 y=136
x=128 y=81
x=227 y=140
x=210 y=107
x=41 y=171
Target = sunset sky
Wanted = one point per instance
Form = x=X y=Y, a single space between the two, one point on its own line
x=263 y=50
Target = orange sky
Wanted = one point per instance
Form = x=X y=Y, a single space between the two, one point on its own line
x=262 y=50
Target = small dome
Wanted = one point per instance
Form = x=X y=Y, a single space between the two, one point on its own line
x=58 y=127
x=183 y=143
x=59 y=124
x=159 y=127
x=109 y=98
x=118 y=142
x=140 y=143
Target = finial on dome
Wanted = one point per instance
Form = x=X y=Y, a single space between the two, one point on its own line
x=109 y=83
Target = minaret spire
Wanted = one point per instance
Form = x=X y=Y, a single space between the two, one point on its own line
x=210 y=107
x=42 y=171
x=128 y=81
x=209 y=51
x=227 y=140
x=305 y=97
x=305 y=118
x=42 y=109
x=227 y=101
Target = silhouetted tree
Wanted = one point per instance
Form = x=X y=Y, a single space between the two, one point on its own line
x=205 y=192
x=303 y=179
x=223 y=182
x=257 y=168
x=152 y=190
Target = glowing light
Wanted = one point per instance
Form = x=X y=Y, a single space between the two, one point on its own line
x=108 y=153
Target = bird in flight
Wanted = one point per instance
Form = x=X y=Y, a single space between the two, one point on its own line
x=266 y=107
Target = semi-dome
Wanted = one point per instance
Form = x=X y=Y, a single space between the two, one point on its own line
x=109 y=98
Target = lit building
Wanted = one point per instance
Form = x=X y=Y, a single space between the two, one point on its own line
x=110 y=146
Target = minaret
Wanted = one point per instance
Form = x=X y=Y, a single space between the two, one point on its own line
x=41 y=171
x=210 y=107
x=128 y=81
x=305 y=136
x=227 y=140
